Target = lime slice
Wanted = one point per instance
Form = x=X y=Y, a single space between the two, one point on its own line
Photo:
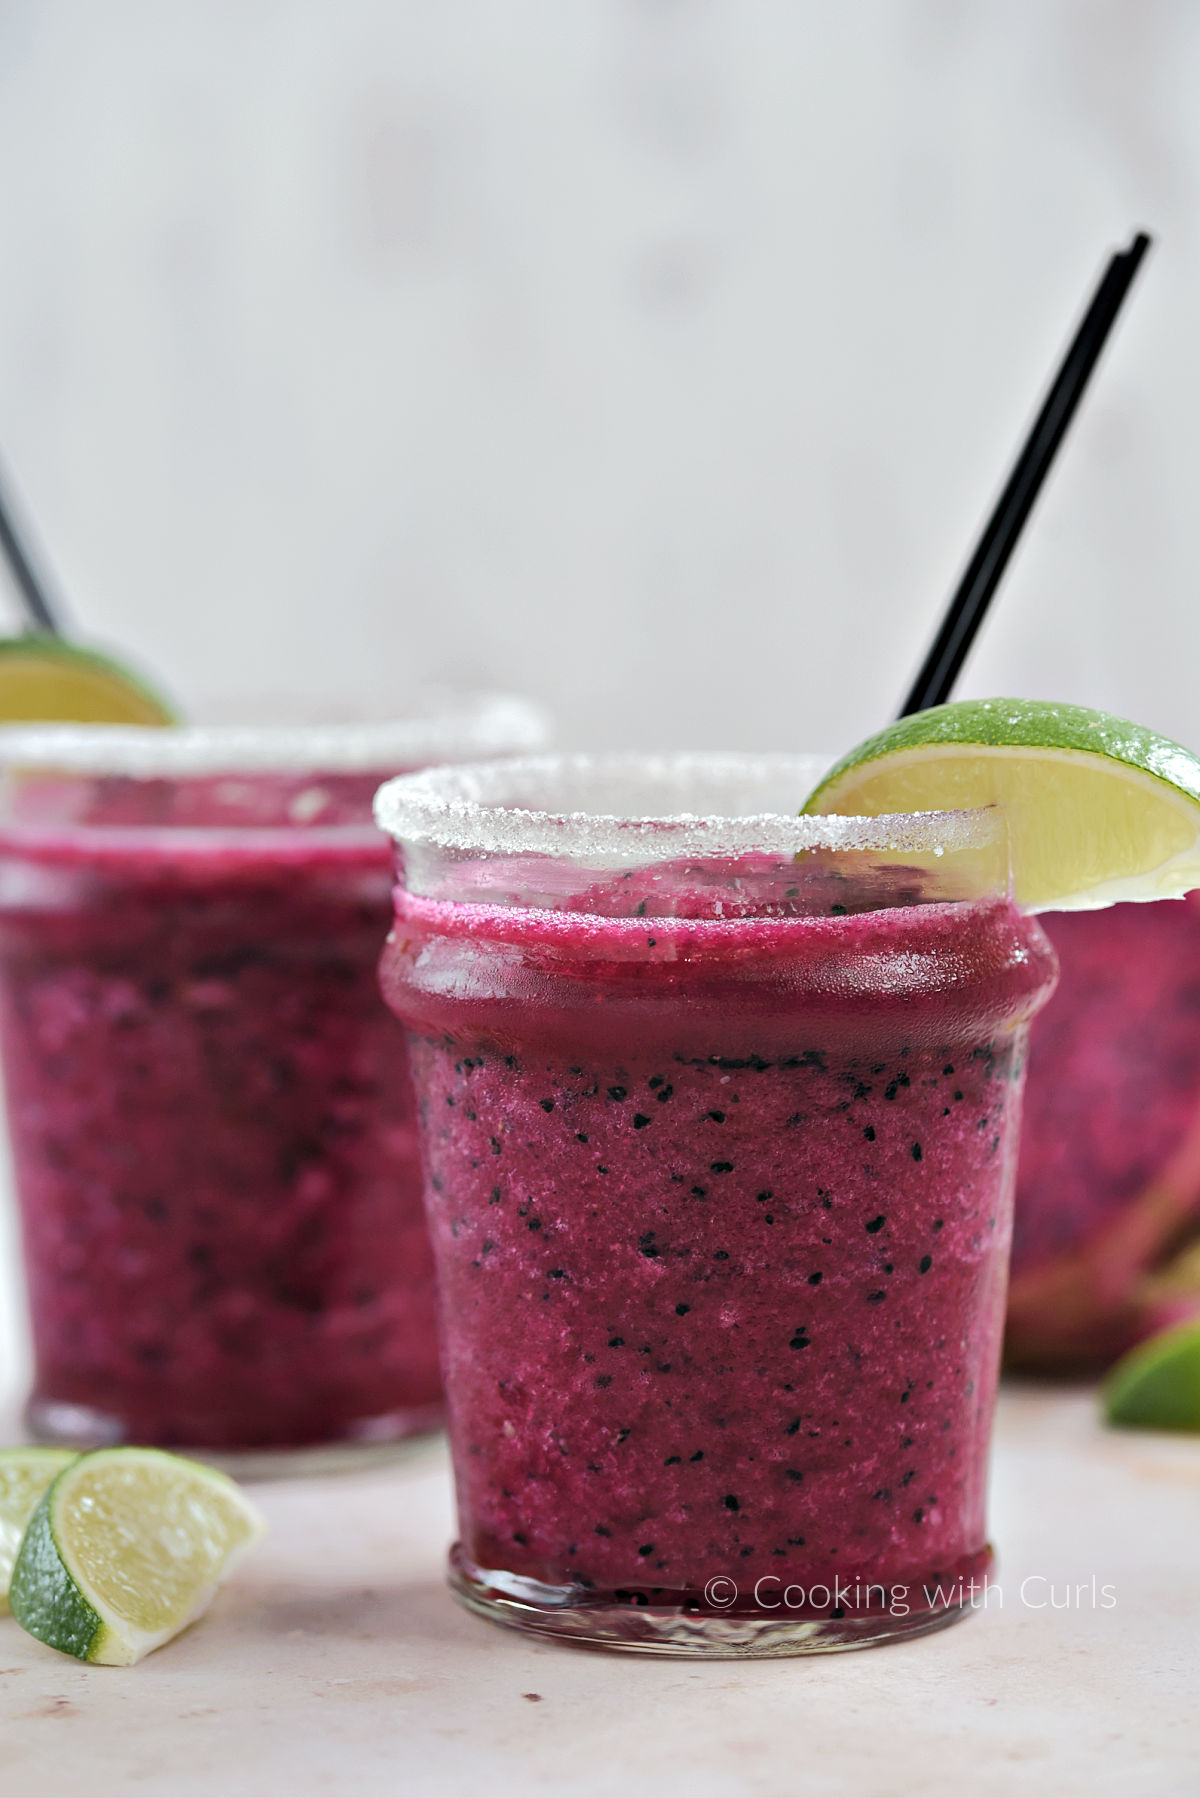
x=44 y=681
x=1098 y=810
x=24 y=1475
x=125 y=1549
x=1156 y=1386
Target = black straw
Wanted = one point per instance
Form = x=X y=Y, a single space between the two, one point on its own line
x=38 y=609
x=964 y=615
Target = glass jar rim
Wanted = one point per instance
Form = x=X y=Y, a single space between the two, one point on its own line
x=464 y=809
x=441 y=726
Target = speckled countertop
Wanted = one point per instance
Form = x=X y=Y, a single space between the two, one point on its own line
x=337 y=1663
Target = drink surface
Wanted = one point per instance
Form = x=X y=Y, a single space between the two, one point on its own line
x=212 y=1125
x=721 y=1212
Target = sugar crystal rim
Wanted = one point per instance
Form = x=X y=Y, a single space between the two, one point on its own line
x=441 y=727
x=463 y=809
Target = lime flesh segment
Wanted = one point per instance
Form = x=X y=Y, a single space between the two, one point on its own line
x=1156 y=1386
x=125 y=1549
x=46 y=681
x=1099 y=810
x=25 y=1474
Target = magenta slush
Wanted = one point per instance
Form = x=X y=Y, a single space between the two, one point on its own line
x=721 y=1214
x=214 y=1143
x=1108 y=1189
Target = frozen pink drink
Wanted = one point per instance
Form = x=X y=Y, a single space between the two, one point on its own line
x=719 y=1151
x=1108 y=1189
x=210 y=1111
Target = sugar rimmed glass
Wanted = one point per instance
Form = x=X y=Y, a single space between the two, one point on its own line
x=209 y=1107
x=718 y=1110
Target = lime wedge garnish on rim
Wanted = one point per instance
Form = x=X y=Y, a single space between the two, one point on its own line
x=125 y=1549
x=1156 y=1386
x=24 y=1475
x=44 y=680
x=1098 y=810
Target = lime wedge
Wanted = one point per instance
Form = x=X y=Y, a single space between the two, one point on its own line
x=1098 y=810
x=44 y=681
x=125 y=1549
x=24 y=1475
x=1156 y=1386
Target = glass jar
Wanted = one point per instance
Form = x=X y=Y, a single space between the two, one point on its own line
x=209 y=1106
x=719 y=1111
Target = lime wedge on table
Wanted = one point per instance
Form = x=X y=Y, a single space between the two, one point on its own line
x=24 y=1475
x=1098 y=810
x=1156 y=1386
x=125 y=1549
x=44 y=680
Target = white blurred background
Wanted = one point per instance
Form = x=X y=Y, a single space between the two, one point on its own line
x=656 y=357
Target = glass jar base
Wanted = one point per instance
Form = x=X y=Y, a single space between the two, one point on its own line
x=684 y=1629
x=368 y=1442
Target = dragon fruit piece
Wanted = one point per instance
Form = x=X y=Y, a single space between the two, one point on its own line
x=1106 y=1246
